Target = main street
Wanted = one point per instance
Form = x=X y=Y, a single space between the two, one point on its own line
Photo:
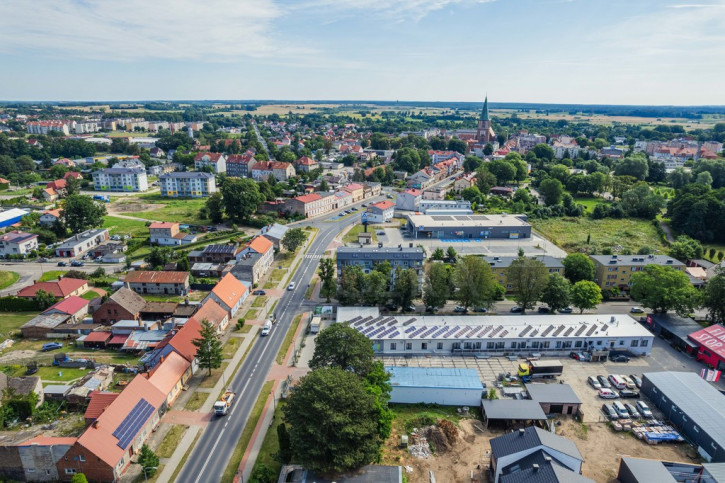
x=210 y=456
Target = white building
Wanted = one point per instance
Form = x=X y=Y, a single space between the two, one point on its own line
x=17 y=243
x=381 y=212
x=81 y=243
x=120 y=179
x=217 y=162
x=44 y=127
x=435 y=206
x=189 y=184
x=408 y=200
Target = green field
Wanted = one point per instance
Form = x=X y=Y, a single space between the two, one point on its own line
x=7 y=279
x=590 y=203
x=177 y=210
x=571 y=234
x=351 y=236
x=63 y=374
x=123 y=226
x=11 y=321
x=51 y=275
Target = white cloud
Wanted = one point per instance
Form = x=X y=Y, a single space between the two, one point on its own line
x=396 y=10
x=209 y=30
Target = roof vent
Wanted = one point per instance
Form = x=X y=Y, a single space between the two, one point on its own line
x=535 y=467
x=522 y=431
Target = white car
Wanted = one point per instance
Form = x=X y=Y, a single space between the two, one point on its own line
x=636 y=310
x=593 y=382
x=291 y=286
x=605 y=393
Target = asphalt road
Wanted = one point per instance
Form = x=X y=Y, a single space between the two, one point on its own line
x=210 y=456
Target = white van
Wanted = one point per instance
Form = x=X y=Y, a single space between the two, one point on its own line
x=267 y=327
x=617 y=381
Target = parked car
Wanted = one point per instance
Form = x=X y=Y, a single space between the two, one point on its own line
x=516 y=310
x=628 y=394
x=603 y=381
x=566 y=310
x=411 y=308
x=637 y=380
x=51 y=346
x=580 y=356
x=616 y=381
x=259 y=292
x=291 y=286
x=594 y=383
x=62 y=264
x=381 y=233
x=605 y=393
x=632 y=411
x=76 y=263
x=431 y=309
x=636 y=310
x=391 y=306
x=609 y=412
x=629 y=382
x=619 y=358
x=460 y=309
x=644 y=410
x=621 y=410
x=483 y=310
x=42 y=259
x=543 y=310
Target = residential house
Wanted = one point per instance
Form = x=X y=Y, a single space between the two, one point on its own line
x=615 y=271
x=262 y=170
x=167 y=283
x=124 y=304
x=187 y=184
x=170 y=376
x=50 y=195
x=35 y=458
x=120 y=179
x=48 y=218
x=44 y=127
x=179 y=340
x=73 y=306
x=371 y=189
x=422 y=179
x=368 y=257
x=274 y=233
x=437 y=193
x=342 y=199
x=306 y=164
x=408 y=200
x=238 y=164
x=464 y=182
x=61 y=288
x=214 y=254
x=81 y=243
x=356 y=190
x=213 y=313
x=254 y=260
x=97 y=403
x=17 y=243
x=229 y=293
x=59 y=185
x=312 y=204
x=381 y=212
x=168 y=234
x=216 y=161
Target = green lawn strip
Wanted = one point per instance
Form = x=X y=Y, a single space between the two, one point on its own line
x=285 y=259
x=245 y=329
x=171 y=441
x=259 y=301
x=271 y=284
x=351 y=235
x=289 y=336
x=11 y=321
x=230 y=348
x=8 y=278
x=54 y=374
x=51 y=275
x=311 y=288
x=277 y=275
x=274 y=304
x=310 y=239
x=186 y=456
x=90 y=295
x=251 y=314
x=196 y=401
x=241 y=446
x=216 y=374
x=270 y=445
x=124 y=226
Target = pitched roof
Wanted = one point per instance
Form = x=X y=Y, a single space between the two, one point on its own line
x=99 y=401
x=58 y=184
x=165 y=224
x=17 y=236
x=128 y=299
x=210 y=156
x=57 y=288
x=308 y=198
x=98 y=336
x=157 y=277
x=99 y=439
x=167 y=374
x=41 y=440
x=261 y=244
x=383 y=205
x=532 y=437
x=182 y=340
x=55 y=213
x=229 y=290
x=306 y=161
x=69 y=306
x=211 y=312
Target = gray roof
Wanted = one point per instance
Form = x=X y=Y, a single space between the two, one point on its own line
x=187 y=175
x=716 y=471
x=504 y=262
x=137 y=170
x=24 y=385
x=647 y=470
x=129 y=300
x=636 y=260
x=701 y=402
x=249 y=260
x=532 y=437
x=80 y=238
x=275 y=231
x=549 y=471
x=552 y=393
x=383 y=253
x=50 y=321
x=57 y=389
x=512 y=409
x=680 y=326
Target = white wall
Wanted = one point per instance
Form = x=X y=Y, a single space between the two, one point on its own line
x=443 y=396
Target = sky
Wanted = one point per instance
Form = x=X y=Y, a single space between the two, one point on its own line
x=646 y=52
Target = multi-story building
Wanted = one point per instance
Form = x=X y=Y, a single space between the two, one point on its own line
x=464 y=182
x=408 y=200
x=238 y=164
x=452 y=207
x=17 y=243
x=167 y=283
x=368 y=257
x=215 y=254
x=501 y=265
x=168 y=234
x=189 y=184
x=381 y=212
x=526 y=142
x=44 y=127
x=615 y=271
x=313 y=204
x=262 y=170
x=356 y=190
x=217 y=162
x=471 y=227
x=120 y=179
x=81 y=243
x=306 y=164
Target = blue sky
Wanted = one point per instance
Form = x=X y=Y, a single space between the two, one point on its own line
x=559 y=51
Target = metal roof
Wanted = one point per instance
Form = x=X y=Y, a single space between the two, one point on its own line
x=552 y=393
x=529 y=438
x=434 y=378
x=647 y=470
x=549 y=471
x=513 y=409
x=716 y=471
x=504 y=262
x=636 y=260
x=701 y=402
x=379 y=253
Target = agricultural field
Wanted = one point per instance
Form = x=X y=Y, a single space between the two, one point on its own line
x=11 y=321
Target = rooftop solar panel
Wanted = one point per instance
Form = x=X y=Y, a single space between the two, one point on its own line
x=133 y=422
x=409 y=330
x=437 y=334
x=451 y=332
x=428 y=332
x=526 y=329
x=495 y=331
x=409 y=321
x=546 y=332
x=591 y=330
x=376 y=331
x=504 y=333
x=605 y=327
x=568 y=331
x=391 y=323
x=533 y=334
x=394 y=334
x=581 y=329
x=486 y=329
x=558 y=330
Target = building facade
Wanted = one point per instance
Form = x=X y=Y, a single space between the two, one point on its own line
x=17 y=243
x=81 y=243
x=216 y=161
x=615 y=271
x=120 y=179
x=167 y=283
x=381 y=212
x=500 y=266
x=368 y=257
x=472 y=227
x=191 y=184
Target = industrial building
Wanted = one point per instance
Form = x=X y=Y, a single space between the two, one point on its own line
x=511 y=413
x=468 y=227
x=548 y=335
x=11 y=216
x=674 y=329
x=641 y=470
x=446 y=386
x=694 y=406
x=711 y=345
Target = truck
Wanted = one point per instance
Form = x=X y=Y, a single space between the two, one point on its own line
x=221 y=407
x=531 y=369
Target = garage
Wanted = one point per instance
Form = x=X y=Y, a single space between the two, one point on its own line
x=435 y=385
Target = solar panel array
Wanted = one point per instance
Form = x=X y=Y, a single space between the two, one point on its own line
x=580 y=330
x=133 y=422
x=546 y=332
x=451 y=332
x=568 y=331
x=526 y=329
x=591 y=330
x=558 y=330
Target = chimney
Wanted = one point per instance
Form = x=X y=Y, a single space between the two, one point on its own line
x=522 y=431
x=96 y=424
x=535 y=467
x=60 y=277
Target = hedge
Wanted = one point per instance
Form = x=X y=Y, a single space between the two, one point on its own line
x=18 y=304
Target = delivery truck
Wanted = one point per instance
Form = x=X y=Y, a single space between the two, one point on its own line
x=531 y=369
x=221 y=407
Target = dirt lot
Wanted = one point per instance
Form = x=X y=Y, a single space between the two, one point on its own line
x=131 y=205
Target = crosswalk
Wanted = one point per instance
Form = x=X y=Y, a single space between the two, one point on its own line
x=314 y=257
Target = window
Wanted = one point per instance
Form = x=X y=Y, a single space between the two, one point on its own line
x=634 y=343
x=567 y=344
x=499 y=345
x=558 y=344
x=393 y=346
x=424 y=346
x=578 y=344
x=599 y=342
x=81 y=458
x=535 y=344
x=31 y=470
x=513 y=345
x=545 y=344
x=456 y=346
x=408 y=346
x=621 y=342
x=440 y=346
x=643 y=343
x=489 y=345
x=70 y=471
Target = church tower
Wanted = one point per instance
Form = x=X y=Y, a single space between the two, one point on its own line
x=484 y=133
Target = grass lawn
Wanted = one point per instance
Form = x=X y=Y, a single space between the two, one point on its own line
x=171 y=441
x=122 y=226
x=351 y=236
x=284 y=260
x=90 y=295
x=230 y=348
x=241 y=446
x=259 y=301
x=48 y=373
x=178 y=210
x=571 y=233
x=196 y=401
x=51 y=275
x=277 y=275
x=11 y=321
x=8 y=278
x=245 y=329
x=251 y=314
x=590 y=202
x=270 y=445
x=216 y=374
x=289 y=336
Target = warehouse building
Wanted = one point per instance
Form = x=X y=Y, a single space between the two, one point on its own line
x=641 y=470
x=548 y=335
x=554 y=398
x=11 y=216
x=511 y=413
x=674 y=329
x=711 y=343
x=468 y=227
x=694 y=406
x=446 y=386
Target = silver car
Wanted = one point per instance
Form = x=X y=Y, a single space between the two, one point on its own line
x=594 y=382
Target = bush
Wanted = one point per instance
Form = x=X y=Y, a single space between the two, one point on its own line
x=17 y=304
x=240 y=324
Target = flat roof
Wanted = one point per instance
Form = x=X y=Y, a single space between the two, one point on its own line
x=636 y=260
x=505 y=262
x=370 y=323
x=552 y=393
x=682 y=327
x=483 y=221
x=434 y=378
x=647 y=470
x=701 y=402
x=520 y=409
x=711 y=338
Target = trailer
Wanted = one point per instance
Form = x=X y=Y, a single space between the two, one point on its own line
x=221 y=407
x=531 y=369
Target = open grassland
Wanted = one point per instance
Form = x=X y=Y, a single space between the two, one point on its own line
x=124 y=226
x=7 y=279
x=11 y=321
x=51 y=275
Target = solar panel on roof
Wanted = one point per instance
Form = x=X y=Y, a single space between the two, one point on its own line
x=133 y=422
x=504 y=333
x=391 y=323
x=409 y=321
x=442 y=218
x=558 y=330
x=354 y=319
x=568 y=331
x=605 y=327
x=581 y=329
x=376 y=331
x=526 y=329
x=451 y=332
x=591 y=330
x=495 y=331
x=394 y=334
x=488 y=327
x=546 y=332
x=428 y=332
x=409 y=329
x=437 y=334
x=533 y=334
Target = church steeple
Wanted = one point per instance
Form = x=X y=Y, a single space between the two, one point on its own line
x=484 y=112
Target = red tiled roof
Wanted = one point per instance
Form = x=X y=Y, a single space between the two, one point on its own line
x=73 y=174
x=211 y=312
x=211 y=156
x=182 y=340
x=98 y=403
x=261 y=244
x=229 y=290
x=118 y=339
x=165 y=224
x=55 y=213
x=58 y=184
x=413 y=192
x=306 y=161
x=57 y=288
x=50 y=441
x=309 y=198
x=98 y=336
x=157 y=277
x=383 y=205
x=69 y=306
x=354 y=186
x=167 y=374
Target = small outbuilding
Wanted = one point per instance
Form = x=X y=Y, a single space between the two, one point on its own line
x=435 y=385
x=554 y=398
x=511 y=413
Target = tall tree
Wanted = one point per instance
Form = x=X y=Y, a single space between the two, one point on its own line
x=327 y=276
x=148 y=460
x=473 y=282
x=293 y=239
x=72 y=186
x=556 y=292
x=374 y=289
x=578 y=266
x=215 y=205
x=685 y=248
x=552 y=191
x=713 y=297
x=350 y=287
x=436 y=287
x=528 y=278
x=662 y=288
x=405 y=287
x=80 y=213
x=208 y=347
x=585 y=295
x=241 y=197
x=344 y=347
x=285 y=447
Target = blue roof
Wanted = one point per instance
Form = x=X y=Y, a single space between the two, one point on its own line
x=434 y=377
